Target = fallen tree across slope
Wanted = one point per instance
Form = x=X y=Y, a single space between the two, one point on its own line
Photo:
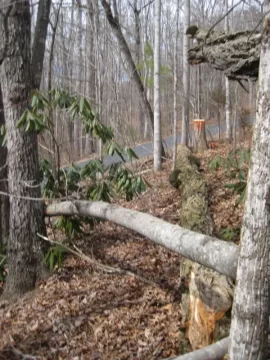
x=211 y=252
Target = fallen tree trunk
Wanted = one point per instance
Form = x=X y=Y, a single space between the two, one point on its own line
x=206 y=294
x=236 y=54
x=206 y=250
x=216 y=351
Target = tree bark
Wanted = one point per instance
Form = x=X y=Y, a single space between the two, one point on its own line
x=237 y=54
x=25 y=250
x=206 y=295
x=157 y=123
x=175 y=86
x=250 y=317
x=77 y=122
x=227 y=87
x=4 y=200
x=90 y=70
x=186 y=76
x=43 y=17
x=197 y=247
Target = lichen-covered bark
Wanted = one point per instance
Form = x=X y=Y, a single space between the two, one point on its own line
x=237 y=54
x=4 y=200
x=250 y=317
x=207 y=295
x=26 y=217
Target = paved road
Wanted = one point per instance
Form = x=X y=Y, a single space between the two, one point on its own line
x=145 y=150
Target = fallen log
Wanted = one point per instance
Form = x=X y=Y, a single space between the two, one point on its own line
x=206 y=294
x=215 y=351
x=236 y=54
x=211 y=252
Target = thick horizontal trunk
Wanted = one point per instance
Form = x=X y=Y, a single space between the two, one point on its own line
x=236 y=54
x=206 y=295
x=208 y=251
x=213 y=352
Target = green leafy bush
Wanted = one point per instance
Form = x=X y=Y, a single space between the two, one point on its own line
x=229 y=233
x=93 y=181
x=237 y=165
x=54 y=257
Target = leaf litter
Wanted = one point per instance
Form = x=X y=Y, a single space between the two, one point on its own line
x=82 y=312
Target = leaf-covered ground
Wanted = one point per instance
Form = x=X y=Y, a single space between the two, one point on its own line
x=82 y=312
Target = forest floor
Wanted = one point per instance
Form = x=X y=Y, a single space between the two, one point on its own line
x=84 y=312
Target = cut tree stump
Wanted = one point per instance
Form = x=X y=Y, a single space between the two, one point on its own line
x=199 y=137
x=207 y=295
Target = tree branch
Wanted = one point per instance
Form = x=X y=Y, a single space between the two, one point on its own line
x=213 y=352
x=208 y=251
x=222 y=18
x=105 y=268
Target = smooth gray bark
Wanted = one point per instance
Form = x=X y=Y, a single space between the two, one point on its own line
x=157 y=121
x=250 y=321
x=25 y=253
x=77 y=123
x=227 y=87
x=213 y=352
x=175 y=85
x=186 y=76
x=203 y=249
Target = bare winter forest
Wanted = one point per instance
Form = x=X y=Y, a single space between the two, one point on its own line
x=134 y=179
x=83 y=56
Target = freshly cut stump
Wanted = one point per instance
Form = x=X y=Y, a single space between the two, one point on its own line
x=207 y=295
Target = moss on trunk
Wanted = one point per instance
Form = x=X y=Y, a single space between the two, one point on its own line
x=207 y=295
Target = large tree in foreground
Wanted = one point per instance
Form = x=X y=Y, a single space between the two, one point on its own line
x=26 y=217
x=250 y=318
x=38 y=50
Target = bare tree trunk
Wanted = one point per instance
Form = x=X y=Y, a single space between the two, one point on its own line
x=70 y=74
x=250 y=317
x=175 y=86
x=76 y=120
x=55 y=146
x=25 y=250
x=138 y=53
x=4 y=200
x=227 y=87
x=38 y=51
x=90 y=58
x=41 y=29
x=157 y=123
x=186 y=76
x=116 y=28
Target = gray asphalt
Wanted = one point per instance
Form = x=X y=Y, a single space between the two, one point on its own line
x=145 y=150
